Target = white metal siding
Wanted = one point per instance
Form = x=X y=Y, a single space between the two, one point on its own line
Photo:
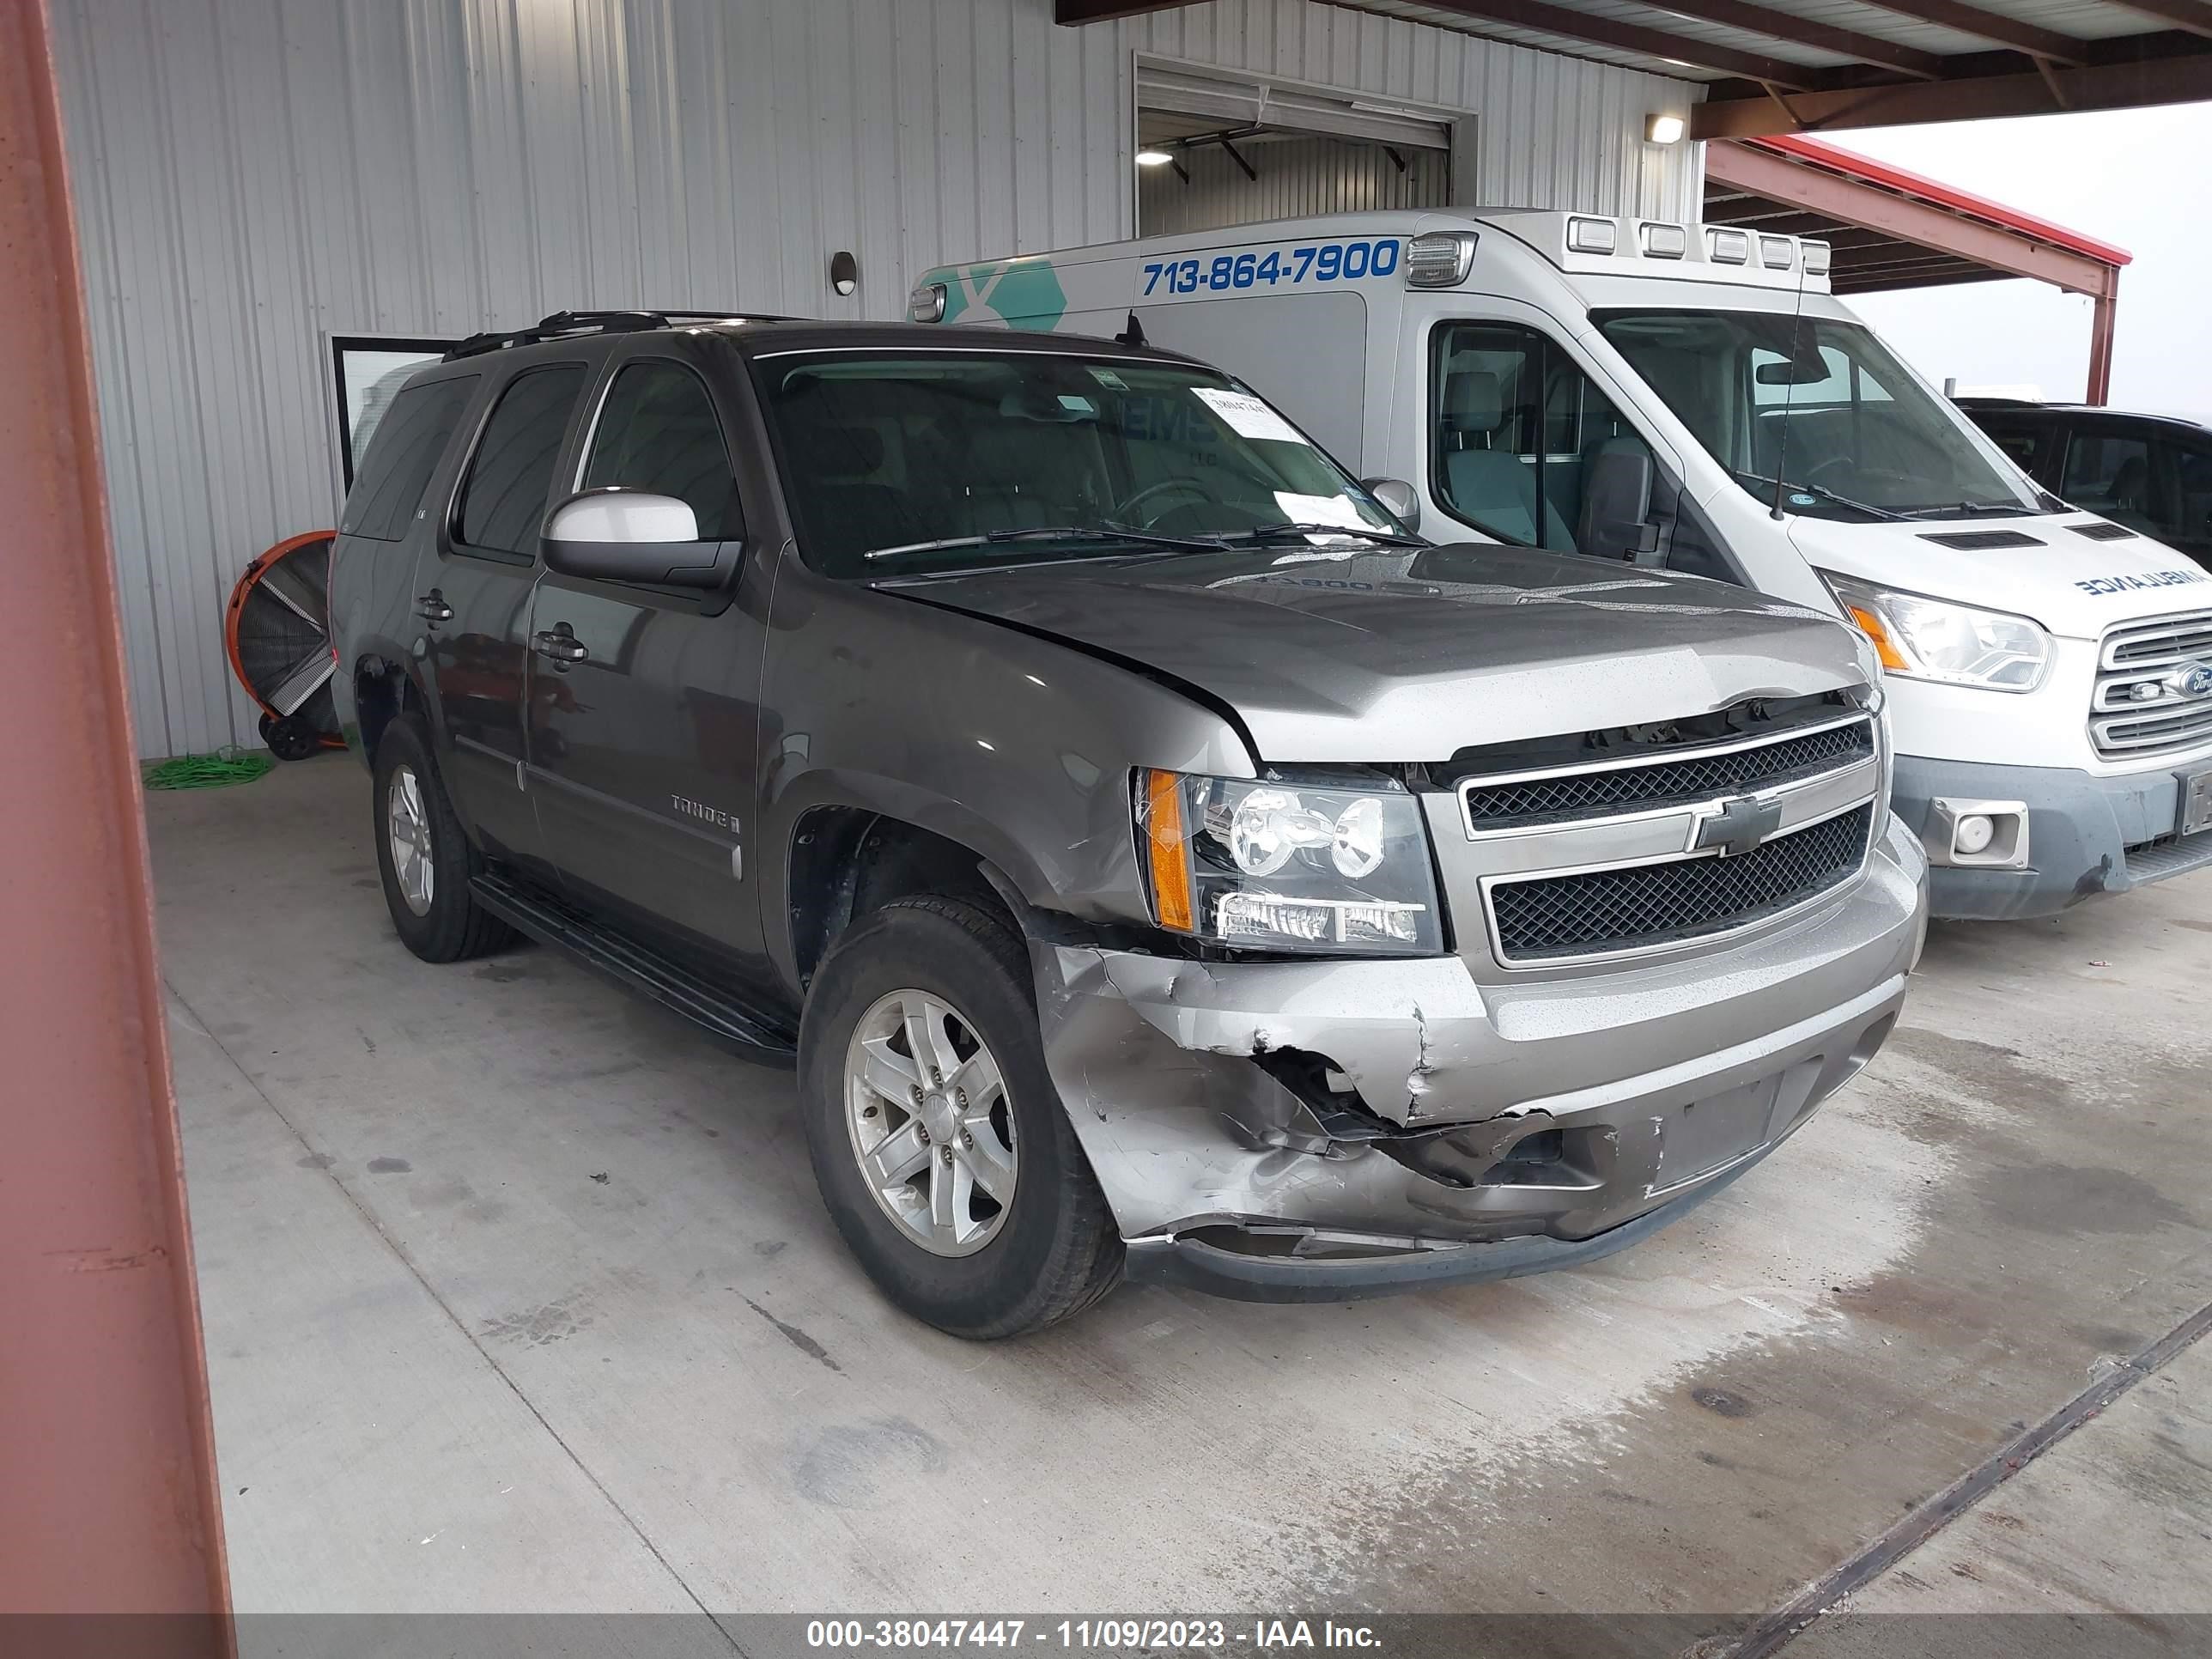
x=251 y=175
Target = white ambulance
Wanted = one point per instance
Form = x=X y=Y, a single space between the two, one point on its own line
x=1692 y=397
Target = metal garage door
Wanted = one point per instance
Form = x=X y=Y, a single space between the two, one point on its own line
x=1243 y=151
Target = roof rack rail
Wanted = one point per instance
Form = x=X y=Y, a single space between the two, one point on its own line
x=562 y=324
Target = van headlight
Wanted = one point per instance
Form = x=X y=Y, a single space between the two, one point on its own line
x=1929 y=639
x=1280 y=866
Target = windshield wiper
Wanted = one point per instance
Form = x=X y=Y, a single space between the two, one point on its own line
x=1974 y=510
x=1273 y=533
x=1825 y=495
x=1109 y=531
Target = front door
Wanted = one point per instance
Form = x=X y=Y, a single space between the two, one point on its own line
x=472 y=596
x=644 y=711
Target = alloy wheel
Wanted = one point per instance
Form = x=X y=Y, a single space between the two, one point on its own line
x=407 y=823
x=931 y=1128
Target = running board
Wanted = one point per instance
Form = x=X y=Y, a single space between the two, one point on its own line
x=612 y=956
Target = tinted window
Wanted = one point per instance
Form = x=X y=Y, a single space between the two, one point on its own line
x=2192 y=471
x=657 y=432
x=2017 y=441
x=2113 y=477
x=404 y=452
x=503 y=504
x=1519 y=434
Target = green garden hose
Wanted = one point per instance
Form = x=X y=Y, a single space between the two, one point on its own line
x=228 y=765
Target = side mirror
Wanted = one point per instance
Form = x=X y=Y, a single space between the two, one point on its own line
x=1399 y=499
x=631 y=536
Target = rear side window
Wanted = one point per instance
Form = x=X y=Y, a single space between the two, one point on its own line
x=658 y=432
x=401 y=456
x=503 y=503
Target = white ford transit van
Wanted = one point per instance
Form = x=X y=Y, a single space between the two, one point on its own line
x=1692 y=397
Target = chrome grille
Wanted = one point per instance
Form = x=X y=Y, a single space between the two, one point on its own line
x=2144 y=654
x=1603 y=912
x=1744 y=768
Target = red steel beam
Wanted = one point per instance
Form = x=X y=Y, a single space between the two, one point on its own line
x=2170 y=78
x=1763 y=173
x=107 y=1480
x=2102 y=315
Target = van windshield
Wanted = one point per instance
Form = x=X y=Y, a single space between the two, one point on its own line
x=1820 y=408
x=910 y=462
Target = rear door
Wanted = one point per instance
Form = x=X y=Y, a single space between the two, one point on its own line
x=645 y=747
x=2115 y=468
x=473 y=597
x=2189 y=457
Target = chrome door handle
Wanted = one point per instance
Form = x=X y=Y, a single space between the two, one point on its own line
x=560 y=645
x=432 y=606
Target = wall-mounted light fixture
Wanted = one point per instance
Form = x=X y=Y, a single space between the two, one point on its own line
x=1153 y=158
x=844 y=272
x=1664 y=128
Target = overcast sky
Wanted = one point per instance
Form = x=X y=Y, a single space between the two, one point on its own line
x=2141 y=178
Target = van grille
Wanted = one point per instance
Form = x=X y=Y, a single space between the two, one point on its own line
x=1734 y=769
x=2103 y=532
x=1600 y=912
x=2147 y=654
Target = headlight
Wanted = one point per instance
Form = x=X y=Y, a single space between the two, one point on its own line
x=1278 y=866
x=1936 y=640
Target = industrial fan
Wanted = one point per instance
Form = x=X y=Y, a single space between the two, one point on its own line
x=278 y=636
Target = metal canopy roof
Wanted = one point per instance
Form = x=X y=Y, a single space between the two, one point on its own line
x=1891 y=229
x=1778 y=66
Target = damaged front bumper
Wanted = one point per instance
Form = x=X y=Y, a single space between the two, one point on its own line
x=1313 y=1131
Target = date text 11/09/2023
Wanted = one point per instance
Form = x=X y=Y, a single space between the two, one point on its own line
x=1090 y=1635
x=1317 y=262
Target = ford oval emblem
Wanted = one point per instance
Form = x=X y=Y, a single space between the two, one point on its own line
x=2192 y=680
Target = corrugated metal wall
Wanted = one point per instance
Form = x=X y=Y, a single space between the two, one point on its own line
x=254 y=175
x=1296 y=176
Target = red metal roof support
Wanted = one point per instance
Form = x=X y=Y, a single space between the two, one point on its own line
x=107 y=1459
x=2102 y=317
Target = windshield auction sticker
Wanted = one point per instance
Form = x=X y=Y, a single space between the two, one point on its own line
x=1247 y=416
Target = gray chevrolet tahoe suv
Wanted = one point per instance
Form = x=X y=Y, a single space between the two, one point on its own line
x=1157 y=862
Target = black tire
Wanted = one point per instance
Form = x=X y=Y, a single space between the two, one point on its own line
x=453 y=927
x=291 y=738
x=1057 y=1249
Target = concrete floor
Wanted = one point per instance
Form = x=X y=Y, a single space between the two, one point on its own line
x=519 y=1296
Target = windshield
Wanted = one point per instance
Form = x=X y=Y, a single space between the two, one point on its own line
x=1819 y=406
x=909 y=462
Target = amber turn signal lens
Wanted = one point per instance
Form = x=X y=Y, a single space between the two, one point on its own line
x=1872 y=627
x=1168 y=846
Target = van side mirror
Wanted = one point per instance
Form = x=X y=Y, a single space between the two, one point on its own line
x=1616 y=512
x=1399 y=499
x=632 y=535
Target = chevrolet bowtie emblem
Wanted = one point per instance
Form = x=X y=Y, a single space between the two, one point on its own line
x=1735 y=825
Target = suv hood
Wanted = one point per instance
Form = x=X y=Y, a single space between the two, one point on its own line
x=1410 y=654
x=2074 y=587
